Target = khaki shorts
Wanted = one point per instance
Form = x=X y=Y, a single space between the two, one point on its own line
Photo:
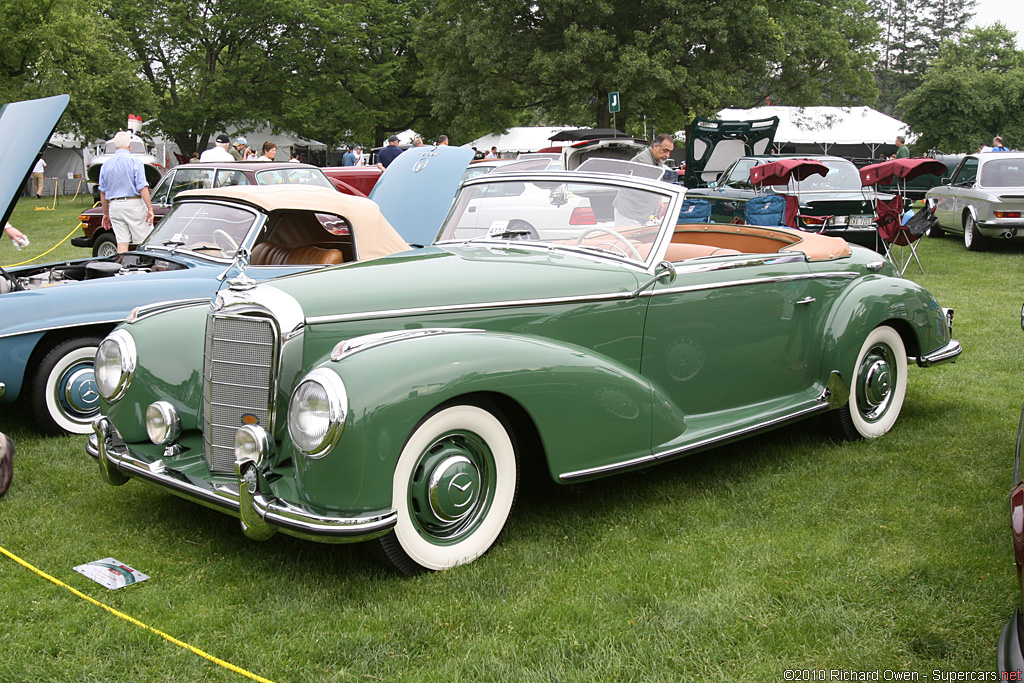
x=128 y=219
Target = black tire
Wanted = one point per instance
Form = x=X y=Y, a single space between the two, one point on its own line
x=973 y=239
x=455 y=483
x=878 y=389
x=531 y=232
x=936 y=231
x=62 y=392
x=104 y=244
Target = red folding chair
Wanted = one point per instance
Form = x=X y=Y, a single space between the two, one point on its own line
x=893 y=233
x=889 y=212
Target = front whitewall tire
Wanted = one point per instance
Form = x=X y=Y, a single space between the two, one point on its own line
x=475 y=439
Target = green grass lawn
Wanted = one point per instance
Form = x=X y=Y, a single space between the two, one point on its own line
x=786 y=551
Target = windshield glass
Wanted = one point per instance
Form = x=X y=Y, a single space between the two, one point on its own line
x=842 y=175
x=1003 y=173
x=293 y=176
x=616 y=220
x=201 y=226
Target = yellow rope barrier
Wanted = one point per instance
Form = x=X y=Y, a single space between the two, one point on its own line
x=36 y=258
x=121 y=615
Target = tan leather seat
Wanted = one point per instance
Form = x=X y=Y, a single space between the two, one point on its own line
x=682 y=252
x=274 y=254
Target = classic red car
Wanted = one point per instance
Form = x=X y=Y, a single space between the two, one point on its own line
x=203 y=176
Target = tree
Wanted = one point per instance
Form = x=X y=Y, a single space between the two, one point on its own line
x=333 y=71
x=51 y=47
x=975 y=90
x=911 y=36
x=493 y=63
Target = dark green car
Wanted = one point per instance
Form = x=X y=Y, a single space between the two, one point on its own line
x=561 y=321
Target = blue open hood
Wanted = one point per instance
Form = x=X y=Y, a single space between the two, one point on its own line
x=24 y=127
x=415 y=192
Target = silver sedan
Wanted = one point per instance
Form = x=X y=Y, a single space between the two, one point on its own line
x=984 y=198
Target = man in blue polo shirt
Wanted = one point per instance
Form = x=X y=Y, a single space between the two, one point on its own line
x=124 y=194
x=389 y=153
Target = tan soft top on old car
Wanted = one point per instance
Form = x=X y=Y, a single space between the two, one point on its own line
x=373 y=235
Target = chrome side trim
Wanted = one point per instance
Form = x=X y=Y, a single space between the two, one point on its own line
x=947 y=354
x=655 y=458
x=349 y=347
x=112 y=321
x=456 y=308
x=114 y=457
x=751 y=281
x=143 y=312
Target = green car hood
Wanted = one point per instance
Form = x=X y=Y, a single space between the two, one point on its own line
x=454 y=276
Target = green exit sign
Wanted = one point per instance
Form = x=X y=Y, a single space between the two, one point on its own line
x=614 y=103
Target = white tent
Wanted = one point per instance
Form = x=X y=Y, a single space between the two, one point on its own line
x=519 y=139
x=844 y=131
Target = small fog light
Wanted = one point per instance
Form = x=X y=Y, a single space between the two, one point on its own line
x=162 y=423
x=253 y=444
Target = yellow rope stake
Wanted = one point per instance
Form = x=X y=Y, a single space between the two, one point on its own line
x=36 y=258
x=190 y=648
x=50 y=208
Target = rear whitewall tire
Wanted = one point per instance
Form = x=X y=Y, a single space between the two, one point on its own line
x=879 y=387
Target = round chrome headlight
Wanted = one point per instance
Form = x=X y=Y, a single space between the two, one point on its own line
x=316 y=412
x=162 y=423
x=115 y=364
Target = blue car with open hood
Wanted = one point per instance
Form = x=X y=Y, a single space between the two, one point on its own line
x=53 y=316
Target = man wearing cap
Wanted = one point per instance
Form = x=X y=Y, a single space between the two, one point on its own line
x=124 y=194
x=238 y=149
x=389 y=153
x=219 y=152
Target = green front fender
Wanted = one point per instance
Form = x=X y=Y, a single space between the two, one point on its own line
x=877 y=300
x=169 y=367
x=588 y=410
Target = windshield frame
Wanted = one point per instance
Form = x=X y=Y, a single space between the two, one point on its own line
x=672 y=194
x=259 y=218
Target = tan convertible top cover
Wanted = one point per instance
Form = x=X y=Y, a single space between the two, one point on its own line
x=373 y=235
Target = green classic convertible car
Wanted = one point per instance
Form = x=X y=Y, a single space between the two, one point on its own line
x=561 y=320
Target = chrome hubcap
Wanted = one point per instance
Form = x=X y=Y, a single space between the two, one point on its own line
x=877 y=379
x=77 y=391
x=451 y=487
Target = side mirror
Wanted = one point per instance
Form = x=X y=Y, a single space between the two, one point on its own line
x=713 y=184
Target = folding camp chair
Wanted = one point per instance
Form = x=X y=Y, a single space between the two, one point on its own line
x=768 y=211
x=783 y=172
x=889 y=212
x=695 y=211
x=893 y=233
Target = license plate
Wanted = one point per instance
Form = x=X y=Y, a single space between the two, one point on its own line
x=861 y=221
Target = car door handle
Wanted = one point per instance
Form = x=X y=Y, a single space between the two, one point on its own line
x=806 y=300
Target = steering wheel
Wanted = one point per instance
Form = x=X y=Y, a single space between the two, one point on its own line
x=222 y=238
x=608 y=231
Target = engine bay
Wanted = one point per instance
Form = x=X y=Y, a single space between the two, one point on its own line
x=78 y=271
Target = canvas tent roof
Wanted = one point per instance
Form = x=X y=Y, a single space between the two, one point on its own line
x=822 y=129
x=519 y=139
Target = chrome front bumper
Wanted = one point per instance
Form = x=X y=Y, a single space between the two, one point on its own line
x=262 y=514
x=947 y=354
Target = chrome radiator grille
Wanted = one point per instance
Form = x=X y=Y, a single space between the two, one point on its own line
x=238 y=381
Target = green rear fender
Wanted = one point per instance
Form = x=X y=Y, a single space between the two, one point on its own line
x=586 y=409
x=169 y=368
x=875 y=300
